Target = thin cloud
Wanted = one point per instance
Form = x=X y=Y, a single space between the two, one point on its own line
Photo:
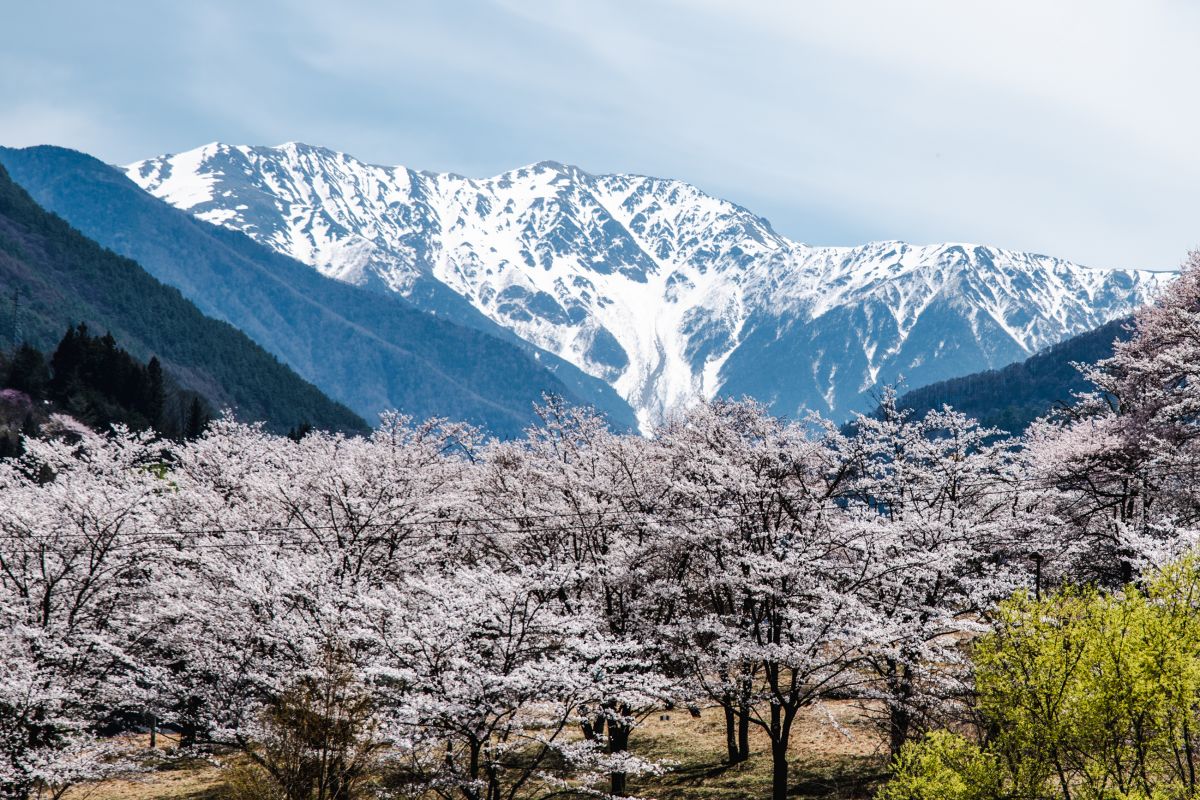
x=1063 y=128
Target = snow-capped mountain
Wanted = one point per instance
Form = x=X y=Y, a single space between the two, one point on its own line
x=665 y=292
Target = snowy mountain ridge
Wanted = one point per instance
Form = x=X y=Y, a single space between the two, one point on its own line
x=665 y=292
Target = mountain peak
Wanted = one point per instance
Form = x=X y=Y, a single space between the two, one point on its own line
x=301 y=149
x=664 y=291
x=552 y=166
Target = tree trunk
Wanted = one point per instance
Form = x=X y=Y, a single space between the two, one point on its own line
x=493 y=783
x=744 y=719
x=189 y=732
x=618 y=780
x=1189 y=755
x=592 y=731
x=470 y=792
x=779 y=771
x=731 y=742
x=779 y=763
x=898 y=728
x=618 y=742
x=899 y=715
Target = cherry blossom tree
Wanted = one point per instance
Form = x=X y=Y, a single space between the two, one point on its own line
x=776 y=567
x=1117 y=471
x=937 y=484
x=79 y=559
x=580 y=499
x=492 y=620
x=483 y=668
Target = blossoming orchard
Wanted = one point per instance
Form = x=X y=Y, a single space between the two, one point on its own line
x=427 y=612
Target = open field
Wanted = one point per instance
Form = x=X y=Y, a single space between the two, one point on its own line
x=829 y=762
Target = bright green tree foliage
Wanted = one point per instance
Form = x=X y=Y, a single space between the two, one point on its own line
x=1083 y=696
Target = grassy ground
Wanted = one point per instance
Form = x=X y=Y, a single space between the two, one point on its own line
x=829 y=762
x=173 y=779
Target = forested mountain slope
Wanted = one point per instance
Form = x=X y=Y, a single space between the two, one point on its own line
x=52 y=276
x=1012 y=397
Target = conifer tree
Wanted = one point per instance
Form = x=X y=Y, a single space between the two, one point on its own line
x=156 y=396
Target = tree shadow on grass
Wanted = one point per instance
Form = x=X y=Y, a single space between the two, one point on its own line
x=218 y=791
x=851 y=778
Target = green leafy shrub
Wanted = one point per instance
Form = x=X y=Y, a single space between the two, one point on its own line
x=1083 y=695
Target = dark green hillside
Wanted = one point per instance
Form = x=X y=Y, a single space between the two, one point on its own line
x=52 y=276
x=1012 y=397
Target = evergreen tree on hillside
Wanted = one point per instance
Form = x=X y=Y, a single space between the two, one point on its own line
x=156 y=395
x=196 y=421
x=100 y=383
x=27 y=372
x=96 y=381
x=298 y=433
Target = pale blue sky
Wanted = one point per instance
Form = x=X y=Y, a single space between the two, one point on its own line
x=1068 y=128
